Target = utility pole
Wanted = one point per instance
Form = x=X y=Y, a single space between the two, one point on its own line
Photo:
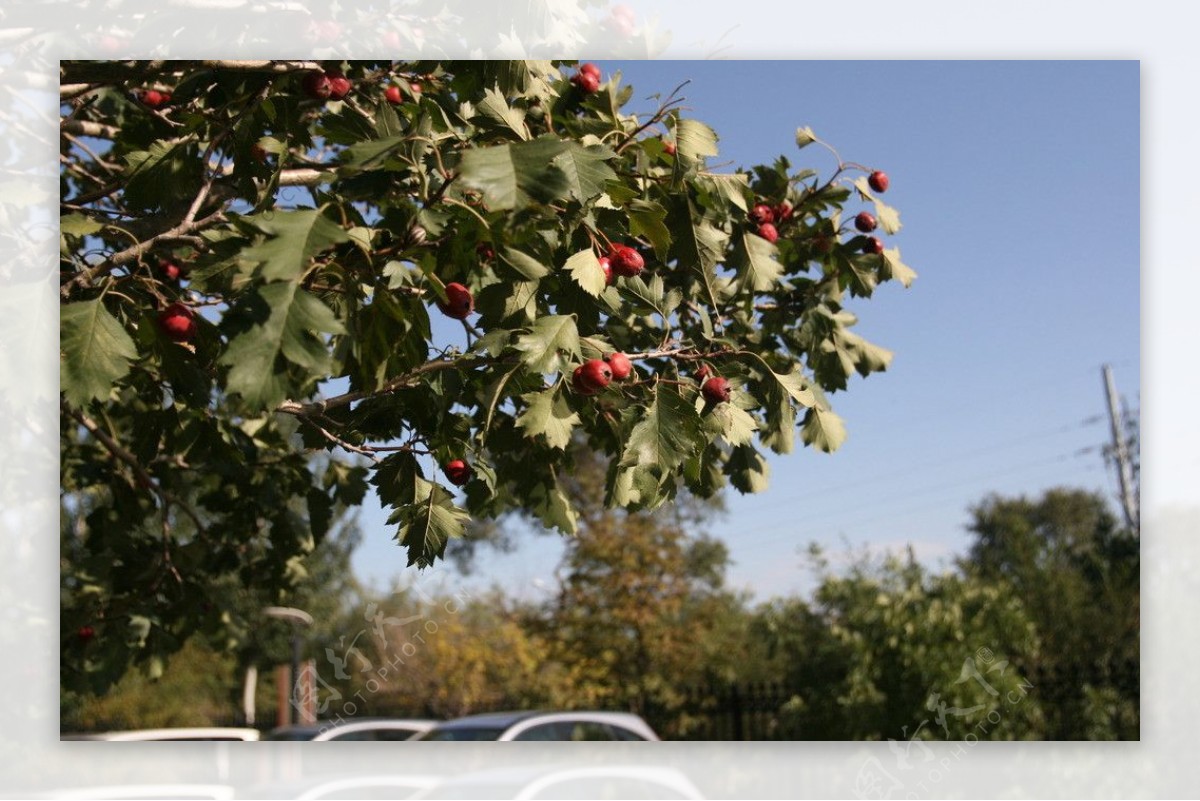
x=1121 y=452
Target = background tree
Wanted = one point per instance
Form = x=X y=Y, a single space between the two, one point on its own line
x=1077 y=571
x=253 y=258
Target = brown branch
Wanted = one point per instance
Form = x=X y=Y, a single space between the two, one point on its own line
x=137 y=251
x=95 y=130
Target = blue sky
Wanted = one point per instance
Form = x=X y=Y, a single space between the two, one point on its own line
x=1018 y=187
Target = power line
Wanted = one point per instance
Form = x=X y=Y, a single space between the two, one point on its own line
x=775 y=532
x=857 y=484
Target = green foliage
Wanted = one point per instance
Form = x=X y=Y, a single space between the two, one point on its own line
x=317 y=240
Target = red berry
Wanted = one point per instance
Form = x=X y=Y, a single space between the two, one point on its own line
x=457 y=471
x=485 y=251
x=177 y=322
x=392 y=93
x=588 y=82
x=762 y=213
x=85 y=633
x=594 y=375
x=152 y=98
x=716 y=390
x=702 y=373
x=668 y=147
x=620 y=365
x=316 y=85
x=865 y=222
x=589 y=68
x=606 y=265
x=459 y=302
x=626 y=261
x=873 y=245
x=169 y=270
x=339 y=85
x=767 y=231
x=783 y=212
x=579 y=385
x=878 y=181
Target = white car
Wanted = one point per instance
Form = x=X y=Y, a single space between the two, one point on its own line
x=390 y=729
x=570 y=726
x=218 y=733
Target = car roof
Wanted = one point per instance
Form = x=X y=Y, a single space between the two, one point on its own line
x=500 y=720
x=507 y=719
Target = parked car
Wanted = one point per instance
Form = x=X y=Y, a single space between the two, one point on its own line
x=543 y=726
x=390 y=729
x=219 y=733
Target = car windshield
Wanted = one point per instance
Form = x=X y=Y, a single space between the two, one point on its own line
x=464 y=733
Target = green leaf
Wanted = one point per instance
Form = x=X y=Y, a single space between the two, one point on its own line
x=736 y=426
x=525 y=264
x=514 y=175
x=867 y=357
x=428 y=523
x=294 y=237
x=646 y=218
x=290 y=331
x=495 y=108
x=698 y=245
x=823 y=429
x=79 y=225
x=553 y=508
x=747 y=470
x=732 y=188
x=548 y=415
x=889 y=218
x=793 y=384
x=553 y=338
x=668 y=432
x=585 y=169
x=754 y=259
x=361 y=154
x=586 y=271
x=894 y=268
x=694 y=140
x=95 y=351
x=161 y=175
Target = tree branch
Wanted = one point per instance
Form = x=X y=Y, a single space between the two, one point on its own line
x=143 y=478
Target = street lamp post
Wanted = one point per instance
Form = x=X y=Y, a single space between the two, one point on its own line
x=298 y=618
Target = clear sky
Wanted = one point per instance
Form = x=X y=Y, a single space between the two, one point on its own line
x=1018 y=188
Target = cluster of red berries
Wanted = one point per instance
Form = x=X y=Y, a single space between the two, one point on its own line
x=594 y=375
x=624 y=261
x=587 y=79
x=764 y=218
x=396 y=97
x=331 y=85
